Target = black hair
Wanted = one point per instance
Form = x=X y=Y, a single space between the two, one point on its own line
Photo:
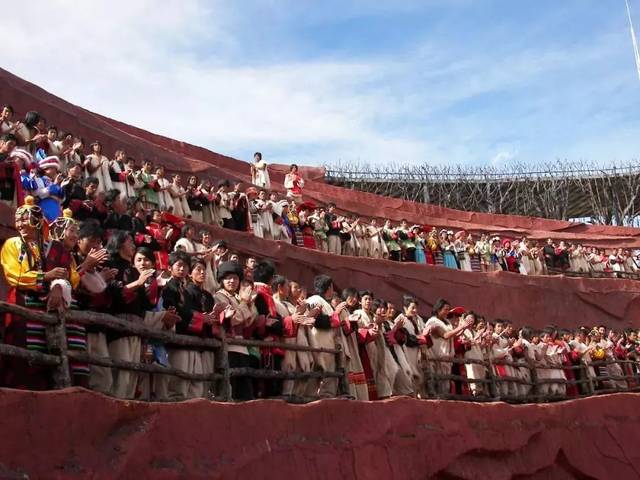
x=408 y=300
x=293 y=165
x=90 y=181
x=198 y=261
x=549 y=330
x=177 y=256
x=277 y=282
x=264 y=271
x=31 y=119
x=111 y=196
x=52 y=127
x=147 y=253
x=526 y=333
x=185 y=229
x=116 y=240
x=90 y=229
x=8 y=107
x=8 y=137
x=439 y=305
x=349 y=292
x=366 y=292
x=331 y=205
x=321 y=284
x=379 y=302
x=223 y=183
x=258 y=154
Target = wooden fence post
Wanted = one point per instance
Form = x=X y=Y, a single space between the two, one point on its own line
x=535 y=388
x=493 y=387
x=57 y=345
x=428 y=379
x=340 y=368
x=223 y=392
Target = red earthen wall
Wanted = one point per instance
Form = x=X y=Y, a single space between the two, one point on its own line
x=80 y=434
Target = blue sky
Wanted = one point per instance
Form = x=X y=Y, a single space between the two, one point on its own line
x=469 y=82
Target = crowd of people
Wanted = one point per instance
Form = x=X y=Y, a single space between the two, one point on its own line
x=53 y=167
x=110 y=236
x=201 y=289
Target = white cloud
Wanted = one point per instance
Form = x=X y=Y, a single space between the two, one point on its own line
x=176 y=68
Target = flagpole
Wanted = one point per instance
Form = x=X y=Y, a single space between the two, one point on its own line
x=633 y=39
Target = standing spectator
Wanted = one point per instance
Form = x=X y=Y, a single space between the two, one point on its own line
x=29 y=281
x=196 y=200
x=165 y=202
x=222 y=204
x=179 y=195
x=134 y=291
x=260 y=172
x=549 y=253
x=149 y=187
x=45 y=186
x=334 y=223
x=239 y=208
x=97 y=165
x=27 y=132
x=8 y=167
x=198 y=317
x=294 y=183
x=6 y=125
x=118 y=174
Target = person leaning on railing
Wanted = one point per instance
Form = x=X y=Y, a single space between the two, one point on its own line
x=41 y=275
x=133 y=292
x=199 y=316
x=239 y=297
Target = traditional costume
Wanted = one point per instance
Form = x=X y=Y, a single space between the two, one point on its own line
x=240 y=325
x=379 y=366
x=441 y=348
x=132 y=305
x=294 y=184
x=49 y=194
x=24 y=265
x=191 y=301
x=99 y=168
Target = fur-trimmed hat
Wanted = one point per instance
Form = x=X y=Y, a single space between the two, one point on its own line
x=229 y=268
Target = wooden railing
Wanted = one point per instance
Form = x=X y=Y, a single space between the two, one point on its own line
x=57 y=358
x=588 y=384
x=58 y=355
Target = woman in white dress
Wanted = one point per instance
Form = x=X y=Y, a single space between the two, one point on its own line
x=442 y=334
x=165 y=202
x=97 y=165
x=460 y=247
x=473 y=337
x=179 y=196
x=377 y=247
x=260 y=172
